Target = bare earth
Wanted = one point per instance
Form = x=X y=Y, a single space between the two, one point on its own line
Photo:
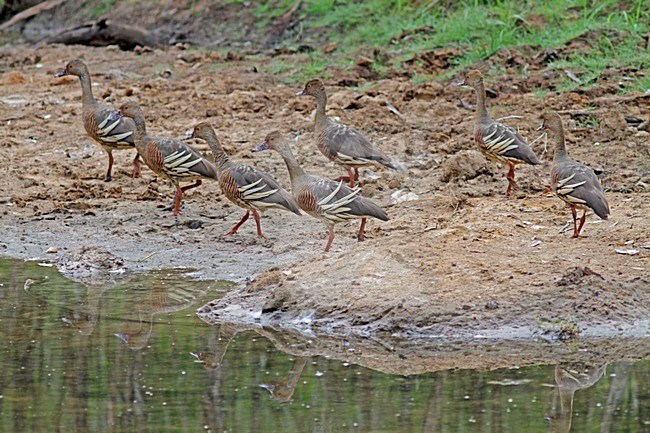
x=457 y=259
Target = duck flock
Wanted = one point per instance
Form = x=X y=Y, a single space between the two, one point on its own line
x=330 y=201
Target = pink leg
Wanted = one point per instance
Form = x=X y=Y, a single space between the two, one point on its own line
x=582 y=222
x=177 y=199
x=108 y=178
x=330 y=238
x=349 y=178
x=511 y=178
x=136 y=166
x=179 y=195
x=362 y=230
x=192 y=185
x=256 y=215
x=575 y=217
x=243 y=219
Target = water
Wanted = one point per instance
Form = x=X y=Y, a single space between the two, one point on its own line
x=118 y=358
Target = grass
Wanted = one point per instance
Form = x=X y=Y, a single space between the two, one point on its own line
x=102 y=7
x=479 y=29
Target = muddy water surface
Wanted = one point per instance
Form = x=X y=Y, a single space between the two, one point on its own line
x=131 y=355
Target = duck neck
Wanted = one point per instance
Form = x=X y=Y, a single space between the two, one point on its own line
x=220 y=157
x=321 y=101
x=140 y=130
x=559 y=152
x=87 y=98
x=481 y=108
x=295 y=170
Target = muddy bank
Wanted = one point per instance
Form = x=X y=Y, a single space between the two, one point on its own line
x=456 y=259
x=506 y=274
x=398 y=356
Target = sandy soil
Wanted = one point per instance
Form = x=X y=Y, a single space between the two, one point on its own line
x=457 y=258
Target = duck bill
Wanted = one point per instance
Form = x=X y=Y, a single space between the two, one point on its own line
x=462 y=83
x=63 y=73
x=189 y=136
x=301 y=93
x=123 y=337
x=269 y=387
x=261 y=147
x=540 y=127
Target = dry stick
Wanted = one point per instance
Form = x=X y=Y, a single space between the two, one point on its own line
x=30 y=12
x=289 y=13
x=147 y=257
x=509 y=117
x=543 y=134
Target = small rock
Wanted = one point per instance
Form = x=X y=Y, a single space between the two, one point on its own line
x=331 y=47
x=464 y=165
x=364 y=61
x=627 y=252
x=52 y=250
x=400 y=196
x=395 y=183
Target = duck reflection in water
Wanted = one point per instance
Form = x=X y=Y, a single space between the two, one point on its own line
x=283 y=389
x=85 y=315
x=160 y=297
x=213 y=360
x=569 y=379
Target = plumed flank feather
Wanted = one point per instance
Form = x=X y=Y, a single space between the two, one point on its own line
x=504 y=143
x=116 y=133
x=578 y=185
x=255 y=188
x=337 y=202
x=182 y=161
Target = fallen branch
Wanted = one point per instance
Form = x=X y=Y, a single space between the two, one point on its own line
x=102 y=33
x=30 y=12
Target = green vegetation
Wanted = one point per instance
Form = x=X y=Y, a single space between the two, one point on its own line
x=591 y=38
x=102 y=7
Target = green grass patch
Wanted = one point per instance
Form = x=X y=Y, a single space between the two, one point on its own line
x=102 y=7
x=478 y=29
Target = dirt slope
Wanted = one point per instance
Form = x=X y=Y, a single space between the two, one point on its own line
x=459 y=259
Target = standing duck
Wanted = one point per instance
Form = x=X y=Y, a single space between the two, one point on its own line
x=168 y=157
x=247 y=187
x=110 y=134
x=340 y=143
x=327 y=200
x=573 y=182
x=498 y=142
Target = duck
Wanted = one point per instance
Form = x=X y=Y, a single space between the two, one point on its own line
x=170 y=158
x=341 y=143
x=283 y=389
x=248 y=187
x=329 y=201
x=499 y=143
x=574 y=183
x=110 y=134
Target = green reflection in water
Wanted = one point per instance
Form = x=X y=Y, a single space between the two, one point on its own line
x=62 y=368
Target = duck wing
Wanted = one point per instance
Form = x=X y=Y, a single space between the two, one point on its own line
x=578 y=185
x=505 y=143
